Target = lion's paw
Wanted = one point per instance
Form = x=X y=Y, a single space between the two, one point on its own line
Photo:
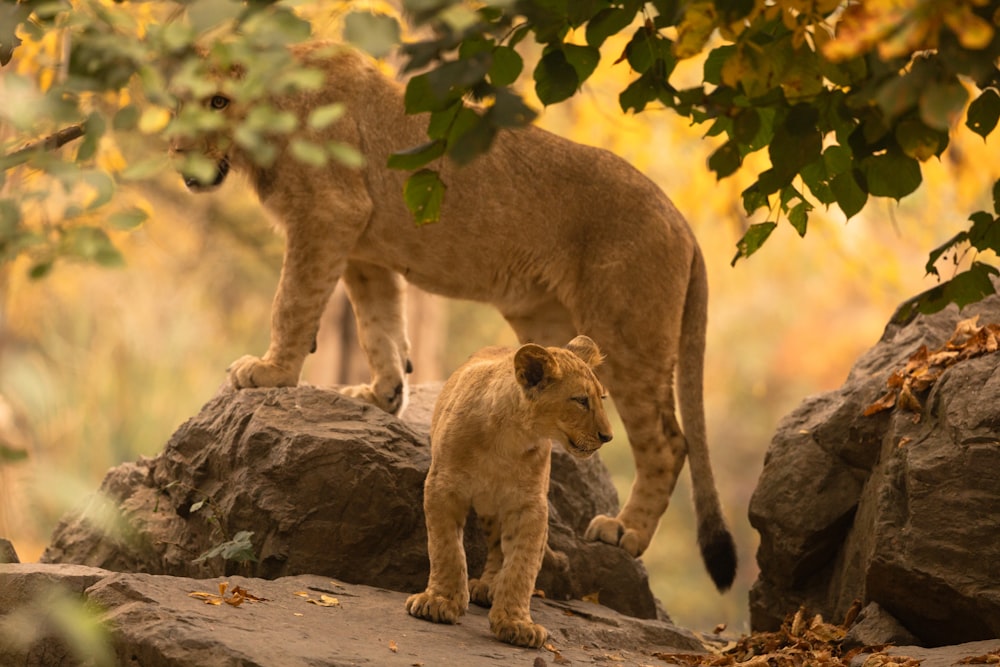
x=517 y=632
x=250 y=371
x=480 y=592
x=392 y=399
x=435 y=608
x=612 y=530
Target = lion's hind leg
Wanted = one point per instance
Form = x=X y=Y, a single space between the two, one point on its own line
x=377 y=296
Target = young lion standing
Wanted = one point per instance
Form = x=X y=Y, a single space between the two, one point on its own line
x=491 y=445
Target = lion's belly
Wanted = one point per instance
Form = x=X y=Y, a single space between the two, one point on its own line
x=463 y=272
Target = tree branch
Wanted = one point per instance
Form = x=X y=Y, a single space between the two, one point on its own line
x=49 y=143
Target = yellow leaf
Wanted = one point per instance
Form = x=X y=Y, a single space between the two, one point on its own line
x=301 y=594
x=393 y=647
x=153 y=120
x=593 y=597
x=325 y=601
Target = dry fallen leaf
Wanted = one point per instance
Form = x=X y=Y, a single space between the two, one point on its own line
x=238 y=596
x=301 y=594
x=924 y=366
x=324 y=601
x=592 y=597
x=393 y=647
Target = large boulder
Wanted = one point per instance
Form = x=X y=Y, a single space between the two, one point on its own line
x=329 y=486
x=898 y=508
x=302 y=621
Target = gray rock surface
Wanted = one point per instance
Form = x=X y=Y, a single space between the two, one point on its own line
x=154 y=622
x=886 y=508
x=328 y=486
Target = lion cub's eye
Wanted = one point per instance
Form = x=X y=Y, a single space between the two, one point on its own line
x=582 y=400
x=218 y=102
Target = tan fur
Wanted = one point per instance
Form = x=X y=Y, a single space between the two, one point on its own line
x=561 y=238
x=491 y=443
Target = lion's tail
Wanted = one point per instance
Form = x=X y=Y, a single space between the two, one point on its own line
x=714 y=539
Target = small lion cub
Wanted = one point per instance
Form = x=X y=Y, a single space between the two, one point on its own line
x=491 y=444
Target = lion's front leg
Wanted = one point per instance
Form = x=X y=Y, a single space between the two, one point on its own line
x=308 y=276
x=481 y=589
x=446 y=597
x=524 y=532
x=377 y=296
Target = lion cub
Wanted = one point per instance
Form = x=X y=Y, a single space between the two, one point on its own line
x=491 y=444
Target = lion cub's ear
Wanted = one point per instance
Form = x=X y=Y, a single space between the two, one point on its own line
x=586 y=349
x=534 y=367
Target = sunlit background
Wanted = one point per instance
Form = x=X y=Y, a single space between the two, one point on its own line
x=99 y=366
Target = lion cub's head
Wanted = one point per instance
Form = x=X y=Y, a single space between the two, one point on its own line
x=565 y=394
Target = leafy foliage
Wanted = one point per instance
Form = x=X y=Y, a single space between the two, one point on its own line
x=848 y=99
x=839 y=102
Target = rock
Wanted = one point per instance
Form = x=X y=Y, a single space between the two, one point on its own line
x=875 y=627
x=978 y=653
x=883 y=509
x=155 y=622
x=7 y=552
x=329 y=486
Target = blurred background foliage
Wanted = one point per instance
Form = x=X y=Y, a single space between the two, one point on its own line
x=123 y=297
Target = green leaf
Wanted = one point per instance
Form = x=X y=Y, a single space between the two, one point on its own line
x=754 y=199
x=377 y=34
x=919 y=141
x=725 y=160
x=345 y=154
x=970 y=286
x=717 y=57
x=418 y=156
x=555 y=78
x=308 y=152
x=942 y=103
x=891 y=174
x=746 y=125
x=509 y=110
x=421 y=96
x=40 y=270
x=92 y=244
x=985 y=232
x=608 y=22
x=837 y=159
x=938 y=252
x=323 y=116
x=127 y=219
x=996 y=197
x=639 y=93
x=126 y=118
x=506 y=67
x=470 y=137
x=799 y=217
x=584 y=60
x=103 y=185
x=984 y=112
x=9 y=454
x=851 y=198
x=424 y=193
x=752 y=241
x=95 y=128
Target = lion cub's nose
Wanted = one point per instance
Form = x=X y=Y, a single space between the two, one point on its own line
x=605 y=437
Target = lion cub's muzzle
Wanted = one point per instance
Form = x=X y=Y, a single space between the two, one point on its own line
x=221 y=171
x=585 y=450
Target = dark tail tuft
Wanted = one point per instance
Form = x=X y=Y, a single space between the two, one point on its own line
x=719 y=554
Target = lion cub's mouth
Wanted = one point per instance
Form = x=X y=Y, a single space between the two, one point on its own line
x=221 y=171
x=577 y=450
